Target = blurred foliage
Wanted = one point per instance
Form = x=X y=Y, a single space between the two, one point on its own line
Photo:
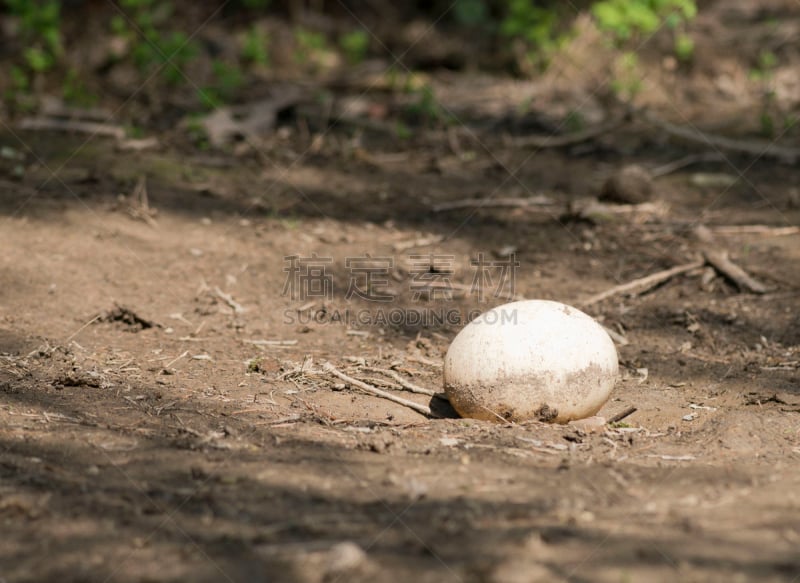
x=628 y=18
x=40 y=32
x=155 y=46
x=157 y=38
x=530 y=22
x=310 y=44
x=627 y=82
x=425 y=109
x=74 y=90
x=355 y=45
x=255 y=46
x=228 y=79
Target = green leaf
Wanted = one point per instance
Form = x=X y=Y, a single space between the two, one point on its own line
x=355 y=45
x=38 y=60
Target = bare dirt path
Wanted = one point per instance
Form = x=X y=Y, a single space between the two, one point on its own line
x=204 y=448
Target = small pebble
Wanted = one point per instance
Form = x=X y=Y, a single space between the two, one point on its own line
x=631 y=184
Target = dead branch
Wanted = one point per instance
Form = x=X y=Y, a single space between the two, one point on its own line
x=424 y=409
x=490 y=202
x=720 y=261
x=228 y=299
x=676 y=165
x=54 y=107
x=753 y=147
x=643 y=284
x=622 y=415
x=592 y=209
x=763 y=230
x=565 y=140
x=423 y=360
x=271 y=342
x=82 y=127
x=401 y=381
x=616 y=336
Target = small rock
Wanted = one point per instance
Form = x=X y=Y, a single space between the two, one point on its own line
x=631 y=184
x=344 y=557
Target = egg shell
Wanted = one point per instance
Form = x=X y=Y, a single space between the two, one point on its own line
x=533 y=359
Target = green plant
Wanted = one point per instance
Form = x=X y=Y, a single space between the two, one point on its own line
x=74 y=90
x=530 y=22
x=38 y=59
x=154 y=46
x=254 y=365
x=170 y=51
x=627 y=18
x=40 y=27
x=627 y=81
x=40 y=21
x=770 y=111
x=575 y=121
x=18 y=93
x=767 y=61
x=427 y=108
x=402 y=131
x=355 y=45
x=134 y=132
x=197 y=131
x=536 y=32
x=308 y=43
x=19 y=79
x=255 y=46
x=684 y=47
x=228 y=79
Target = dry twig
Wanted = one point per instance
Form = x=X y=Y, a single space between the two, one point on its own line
x=61 y=125
x=490 y=202
x=565 y=140
x=759 y=148
x=762 y=230
x=271 y=342
x=676 y=165
x=622 y=415
x=424 y=409
x=720 y=261
x=642 y=284
x=402 y=382
x=228 y=299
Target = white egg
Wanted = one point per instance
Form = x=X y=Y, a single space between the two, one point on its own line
x=533 y=359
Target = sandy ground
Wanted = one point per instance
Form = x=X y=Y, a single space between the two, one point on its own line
x=164 y=416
